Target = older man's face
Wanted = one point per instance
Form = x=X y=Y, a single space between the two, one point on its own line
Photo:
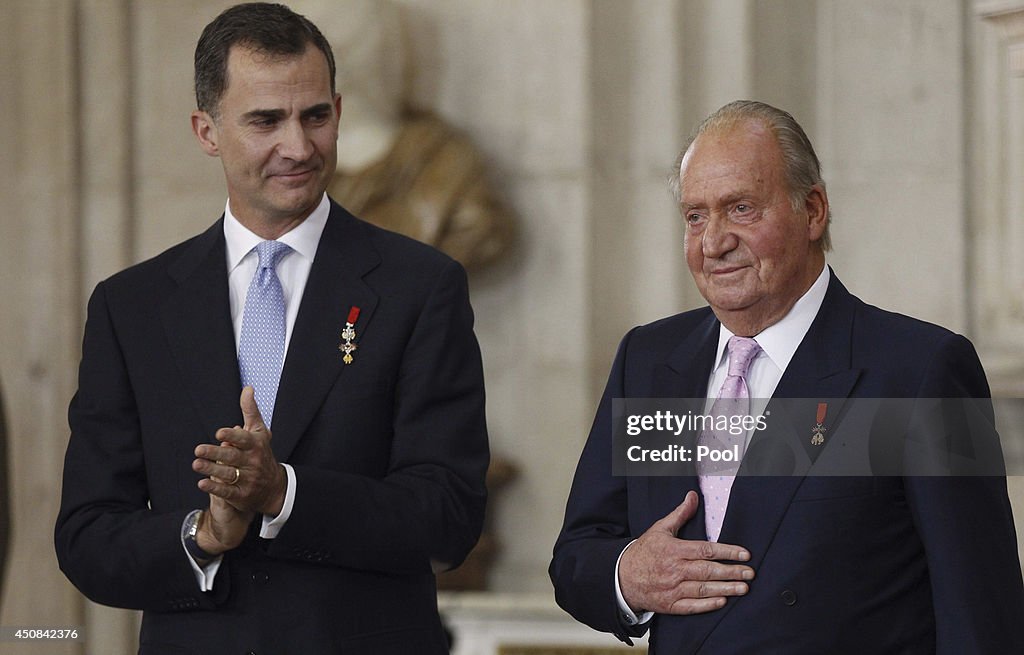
x=751 y=255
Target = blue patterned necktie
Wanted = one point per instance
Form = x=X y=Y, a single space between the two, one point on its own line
x=261 y=345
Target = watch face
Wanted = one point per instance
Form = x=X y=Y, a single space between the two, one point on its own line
x=191 y=525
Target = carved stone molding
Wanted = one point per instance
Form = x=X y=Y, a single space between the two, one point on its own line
x=997 y=131
x=1008 y=16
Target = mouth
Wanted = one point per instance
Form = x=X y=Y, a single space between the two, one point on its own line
x=725 y=270
x=293 y=176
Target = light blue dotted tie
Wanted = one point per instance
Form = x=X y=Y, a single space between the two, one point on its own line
x=261 y=345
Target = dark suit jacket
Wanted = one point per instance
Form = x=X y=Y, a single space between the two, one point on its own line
x=389 y=452
x=851 y=564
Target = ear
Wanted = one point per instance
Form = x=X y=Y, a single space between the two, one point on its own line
x=205 y=129
x=816 y=205
x=337 y=113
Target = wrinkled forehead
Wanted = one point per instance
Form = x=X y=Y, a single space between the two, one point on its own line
x=736 y=142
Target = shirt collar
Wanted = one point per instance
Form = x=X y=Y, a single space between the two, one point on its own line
x=303 y=238
x=780 y=341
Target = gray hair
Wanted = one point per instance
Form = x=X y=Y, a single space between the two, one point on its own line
x=802 y=168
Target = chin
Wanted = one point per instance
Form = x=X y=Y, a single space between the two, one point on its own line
x=730 y=302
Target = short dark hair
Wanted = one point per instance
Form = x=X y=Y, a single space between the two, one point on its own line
x=802 y=168
x=264 y=27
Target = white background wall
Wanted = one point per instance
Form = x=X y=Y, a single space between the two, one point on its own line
x=580 y=107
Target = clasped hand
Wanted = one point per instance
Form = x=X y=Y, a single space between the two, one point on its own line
x=243 y=478
x=662 y=573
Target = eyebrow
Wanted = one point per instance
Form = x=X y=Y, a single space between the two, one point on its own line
x=728 y=199
x=278 y=114
x=260 y=114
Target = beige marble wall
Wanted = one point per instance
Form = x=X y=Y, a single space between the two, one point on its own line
x=579 y=106
x=40 y=320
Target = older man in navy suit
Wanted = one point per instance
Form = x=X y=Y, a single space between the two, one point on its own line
x=720 y=562
x=289 y=317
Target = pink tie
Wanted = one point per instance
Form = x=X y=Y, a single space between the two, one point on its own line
x=733 y=400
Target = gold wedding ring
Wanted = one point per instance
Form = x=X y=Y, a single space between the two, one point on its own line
x=238 y=476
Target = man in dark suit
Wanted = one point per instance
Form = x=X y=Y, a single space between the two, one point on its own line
x=808 y=563
x=176 y=501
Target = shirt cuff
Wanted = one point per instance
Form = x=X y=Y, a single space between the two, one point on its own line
x=272 y=526
x=627 y=614
x=204 y=574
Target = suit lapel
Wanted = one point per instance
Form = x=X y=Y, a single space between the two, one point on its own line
x=685 y=375
x=820 y=368
x=313 y=362
x=197 y=321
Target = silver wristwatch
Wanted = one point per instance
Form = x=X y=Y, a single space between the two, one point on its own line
x=188 y=537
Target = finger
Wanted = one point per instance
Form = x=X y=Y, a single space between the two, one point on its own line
x=687 y=606
x=250 y=412
x=221 y=490
x=712 y=589
x=709 y=570
x=224 y=453
x=239 y=438
x=226 y=435
x=677 y=518
x=711 y=550
x=219 y=471
x=216 y=453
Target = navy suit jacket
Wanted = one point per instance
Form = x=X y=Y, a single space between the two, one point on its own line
x=389 y=452
x=844 y=564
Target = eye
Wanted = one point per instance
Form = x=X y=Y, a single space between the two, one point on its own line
x=694 y=219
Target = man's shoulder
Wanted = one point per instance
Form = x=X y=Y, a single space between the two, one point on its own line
x=399 y=254
x=897 y=329
x=664 y=335
x=684 y=322
x=160 y=267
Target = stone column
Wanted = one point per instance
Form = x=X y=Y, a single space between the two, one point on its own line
x=39 y=264
x=997 y=215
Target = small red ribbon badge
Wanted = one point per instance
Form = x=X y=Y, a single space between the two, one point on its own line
x=348 y=335
x=818 y=432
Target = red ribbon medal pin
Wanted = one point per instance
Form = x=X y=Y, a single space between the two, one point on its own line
x=348 y=335
x=818 y=432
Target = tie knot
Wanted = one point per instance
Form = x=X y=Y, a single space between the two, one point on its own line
x=742 y=351
x=270 y=252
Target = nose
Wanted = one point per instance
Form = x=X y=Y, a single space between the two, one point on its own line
x=295 y=143
x=718 y=237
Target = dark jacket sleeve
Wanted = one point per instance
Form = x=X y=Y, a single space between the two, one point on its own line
x=596 y=526
x=109 y=543
x=965 y=521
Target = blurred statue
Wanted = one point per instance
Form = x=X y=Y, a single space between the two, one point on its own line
x=413 y=173
x=407 y=171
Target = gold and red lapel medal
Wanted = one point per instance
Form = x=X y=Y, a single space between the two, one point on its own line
x=818 y=432
x=348 y=335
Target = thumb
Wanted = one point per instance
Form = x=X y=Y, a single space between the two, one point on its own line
x=677 y=518
x=250 y=412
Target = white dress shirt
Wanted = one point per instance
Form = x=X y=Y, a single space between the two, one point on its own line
x=778 y=345
x=293 y=271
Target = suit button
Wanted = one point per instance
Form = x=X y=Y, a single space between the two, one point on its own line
x=260 y=577
x=789 y=597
